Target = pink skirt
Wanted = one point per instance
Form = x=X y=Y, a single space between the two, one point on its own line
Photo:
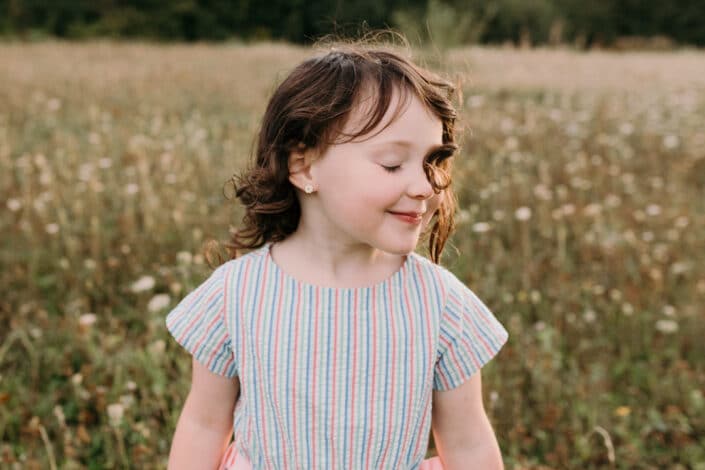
x=232 y=460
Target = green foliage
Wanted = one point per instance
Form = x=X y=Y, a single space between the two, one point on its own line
x=443 y=23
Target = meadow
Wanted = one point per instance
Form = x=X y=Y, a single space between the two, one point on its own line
x=581 y=225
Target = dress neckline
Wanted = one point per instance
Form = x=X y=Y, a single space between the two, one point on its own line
x=391 y=280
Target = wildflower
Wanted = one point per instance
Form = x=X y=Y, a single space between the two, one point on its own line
x=54 y=104
x=481 y=227
x=184 y=257
x=626 y=128
x=589 y=316
x=653 y=209
x=667 y=326
x=52 y=228
x=14 y=204
x=542 y=192
x=157 y=348
x=105 y=163
x=77 y=379
x=131 y=189
x=142 y=284
x=592 y=209
x=523 y=213
x=682 y=222
x=622 y=411
x=115 y=413
x=87 y=320
x=159 y=302
x=671 y=141
x=669 y=310
x=475 y=101
x=612 y=200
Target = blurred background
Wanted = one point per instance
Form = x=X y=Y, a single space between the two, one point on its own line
x=581 y=183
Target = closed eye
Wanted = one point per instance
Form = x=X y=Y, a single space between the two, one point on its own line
x=391 y=169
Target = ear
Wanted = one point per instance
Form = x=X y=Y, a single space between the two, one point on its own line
x=300 y=160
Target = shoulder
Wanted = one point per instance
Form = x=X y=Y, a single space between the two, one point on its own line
x=243 y=264
x=439 y=275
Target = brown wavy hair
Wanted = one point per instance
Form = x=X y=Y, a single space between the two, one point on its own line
x=310 y=108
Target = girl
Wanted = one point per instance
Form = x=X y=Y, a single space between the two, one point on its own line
x=332 y=344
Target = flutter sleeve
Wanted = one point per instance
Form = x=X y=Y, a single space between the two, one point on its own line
x=199 y=324
x=470 y=336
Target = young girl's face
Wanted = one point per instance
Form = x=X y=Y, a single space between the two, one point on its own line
x=374 y=190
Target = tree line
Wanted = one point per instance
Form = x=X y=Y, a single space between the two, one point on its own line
x=447 y=22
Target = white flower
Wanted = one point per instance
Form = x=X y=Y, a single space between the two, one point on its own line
x=671 y=141
x=104 y=163
x=52 y=228
x=54 y=104
x=593 y=209
x=142 y=284
x=159 y=302
x=653 y=209
x=14 y=204
x=667 y=326
x=626 y=128
x=87 y=320
x=115 y=413
x=481 y=227
x=184 y=257
x=589 y=316
x=158 y=347
x=669 y=310
x=131 y=189
x=523 y=213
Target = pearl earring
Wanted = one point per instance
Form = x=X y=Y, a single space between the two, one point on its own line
x=308 y=188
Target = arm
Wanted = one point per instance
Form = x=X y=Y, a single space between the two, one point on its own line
x=461 y=430
x=205 y=425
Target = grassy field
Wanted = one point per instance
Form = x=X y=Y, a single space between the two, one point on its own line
x=582 y=226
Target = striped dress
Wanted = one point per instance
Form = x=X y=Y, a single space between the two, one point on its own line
x=335 y=378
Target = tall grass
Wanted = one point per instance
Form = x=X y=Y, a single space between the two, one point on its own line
x=582 y=225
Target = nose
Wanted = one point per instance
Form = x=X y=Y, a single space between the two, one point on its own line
x=420 y=187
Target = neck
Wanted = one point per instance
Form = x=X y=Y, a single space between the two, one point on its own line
x=315 y=257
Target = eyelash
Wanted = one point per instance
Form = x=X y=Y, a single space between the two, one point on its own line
x=391 y=169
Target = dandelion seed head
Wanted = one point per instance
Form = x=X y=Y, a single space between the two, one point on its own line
x=670 y=141
x=667 y=326
x=158 y=302
x=131 y=189
x=143 y=284
x=116 y=412
x=481 y=227
x=87 y=320
x=523 y=213
x=653 y=210
x=14 y=204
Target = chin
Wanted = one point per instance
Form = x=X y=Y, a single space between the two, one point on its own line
x=399 y=248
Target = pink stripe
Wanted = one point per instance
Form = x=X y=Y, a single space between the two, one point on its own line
x=243 y=325
x=352 y=388
x=277 y=341
x=188 y=328
x=258 y=335
x=373 y=353
x=208 y=328
x=334 y=382
x=313 y=385
x=293 y=369
x=426 y=308
x=393 y=334
x=412 y=334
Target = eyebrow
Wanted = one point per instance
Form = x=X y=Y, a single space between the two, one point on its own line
x=409 y=144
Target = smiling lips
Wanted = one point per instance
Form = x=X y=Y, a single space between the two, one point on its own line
x=409 y=217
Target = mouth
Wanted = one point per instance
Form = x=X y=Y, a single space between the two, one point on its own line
x=409 y=217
